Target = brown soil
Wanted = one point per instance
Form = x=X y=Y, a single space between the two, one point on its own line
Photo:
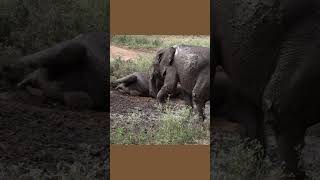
x=40 y=136
x=125 y=54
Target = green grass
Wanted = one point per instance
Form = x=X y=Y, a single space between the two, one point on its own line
x=157 y=41
x=175 y=125
x=136 y=41
x=244 y=160
x=178 y=126
x=65 y=171
x=82 y=168
x=120 y=68
x=27 y=26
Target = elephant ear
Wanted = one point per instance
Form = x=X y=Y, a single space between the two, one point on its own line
x=172 y=52
x=159 y=55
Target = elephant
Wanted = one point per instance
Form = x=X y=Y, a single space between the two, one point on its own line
x=269 y=51
x=229 y=104
x=221 y=96
x=137 y=84
x=187 y=65
x=73 y=68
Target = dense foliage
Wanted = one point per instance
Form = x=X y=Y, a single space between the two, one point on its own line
x=27 y=26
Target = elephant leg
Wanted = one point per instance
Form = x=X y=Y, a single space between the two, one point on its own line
x=127 y=79
x=250 y=116
x=170 y=84
x=37 y=78
x=199 y=107
x=200 y=94
x=186 y=96
x=123 y=89
x=289 y=140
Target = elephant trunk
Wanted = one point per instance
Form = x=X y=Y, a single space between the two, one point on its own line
x=153 y=86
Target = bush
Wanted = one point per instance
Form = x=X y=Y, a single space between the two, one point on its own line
x=32 y=25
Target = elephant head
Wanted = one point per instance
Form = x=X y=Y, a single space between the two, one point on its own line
x=162 y=60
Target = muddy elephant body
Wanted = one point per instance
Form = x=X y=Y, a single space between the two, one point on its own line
x=187 y=65
x=76 y=65
x=137 y=84
x=269 y=51
x=230 y=105
x=222 y=95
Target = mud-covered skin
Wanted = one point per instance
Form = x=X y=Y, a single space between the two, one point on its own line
x=231 y=105
x=137 y=84
x=76 y=65
x=189 y=66
x=269 y=50
x=221 y=96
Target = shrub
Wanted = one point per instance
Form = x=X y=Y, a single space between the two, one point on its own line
x=32 y=25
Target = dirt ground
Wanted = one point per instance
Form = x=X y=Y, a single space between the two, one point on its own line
x=123 y=53
x=40 y=135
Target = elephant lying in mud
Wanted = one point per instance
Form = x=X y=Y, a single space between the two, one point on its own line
x=187 y=65
x=270 y=51
x=137 y=84
x=73 y=72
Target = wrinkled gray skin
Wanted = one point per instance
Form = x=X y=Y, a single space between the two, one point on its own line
x=187 y=65
x=229 y=104
x=269 y=49
x=74 y=67
x=137 y=84
x=221 y=96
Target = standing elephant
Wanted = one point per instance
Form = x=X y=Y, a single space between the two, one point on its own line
x=270 y=51
x=222 y=91
x=187 y=65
